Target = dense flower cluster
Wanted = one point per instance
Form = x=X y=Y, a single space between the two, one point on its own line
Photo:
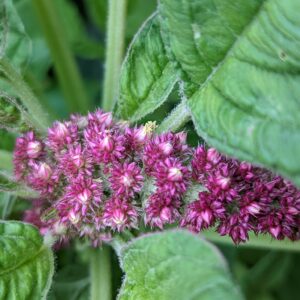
x=97 y=176
x=240 y=198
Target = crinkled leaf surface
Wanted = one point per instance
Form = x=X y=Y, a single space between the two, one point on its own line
x=14 y=43
x=175 y=265
x=147 y=76
x=244 y=56
x=26 y=263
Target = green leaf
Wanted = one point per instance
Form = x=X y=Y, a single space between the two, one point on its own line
x=244 y=57
x=8 y=184
x=6 y=160
x=40 y=58
x=76 y=33
x=13 y=116
x=137 y=12
x=7 y=202
x=71 y=282
x=267 y=273
x=7 y=140
x=26 y=263
x=14 y=43
x=175 y=265
x=147 y=76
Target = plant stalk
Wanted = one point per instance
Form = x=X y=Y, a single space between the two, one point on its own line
x=115 y=36
x=100 y=264
x=38 y=116
x=178 y=117
x=260 y=241
x=100 y=272
x=64 y=62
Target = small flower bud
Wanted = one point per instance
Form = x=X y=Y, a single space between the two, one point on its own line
x=213 y=155
x=74 y=217
x=174 y=174
x=44 y=171
x=34 y=149
x=166 y=148
x=84 y=196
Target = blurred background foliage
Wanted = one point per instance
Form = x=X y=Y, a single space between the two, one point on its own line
x=262 y=274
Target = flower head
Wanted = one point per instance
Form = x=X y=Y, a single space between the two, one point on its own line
x=166 y=145
x=119 y=214
x=172 y=176
x=97 y=177
x=126 y=179
x=60 y=135
x=203 y=212
x=161 y=209
x=105 y=147
x=28 y=149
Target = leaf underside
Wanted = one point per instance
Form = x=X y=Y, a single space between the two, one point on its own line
x=174 y=265
x=147 y=76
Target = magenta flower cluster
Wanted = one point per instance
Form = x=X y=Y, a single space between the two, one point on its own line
x=97 y=176
x=240 y=198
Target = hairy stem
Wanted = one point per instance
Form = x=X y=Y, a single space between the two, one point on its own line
x=64 y=62
x=114 y=51
x=38 y=116
x=260 y=241
x=100 y=272
x=178 y=117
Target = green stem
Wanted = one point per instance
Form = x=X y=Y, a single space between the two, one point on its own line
x=64 y=62
x=9 y=201
x=260 y=241
x=114 y=51
x=39 y=118
x=100 y=272
x=178 y=117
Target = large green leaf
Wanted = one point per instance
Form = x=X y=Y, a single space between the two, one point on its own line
x=244 y=56
x=14 y=43
x=175 y=265
x=26 y=263
x=147 y=76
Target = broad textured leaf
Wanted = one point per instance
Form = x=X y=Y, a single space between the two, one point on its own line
x=244 y=57
x=14 y=43
x=175 y=265
x=26 y=263
x=147 y=76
